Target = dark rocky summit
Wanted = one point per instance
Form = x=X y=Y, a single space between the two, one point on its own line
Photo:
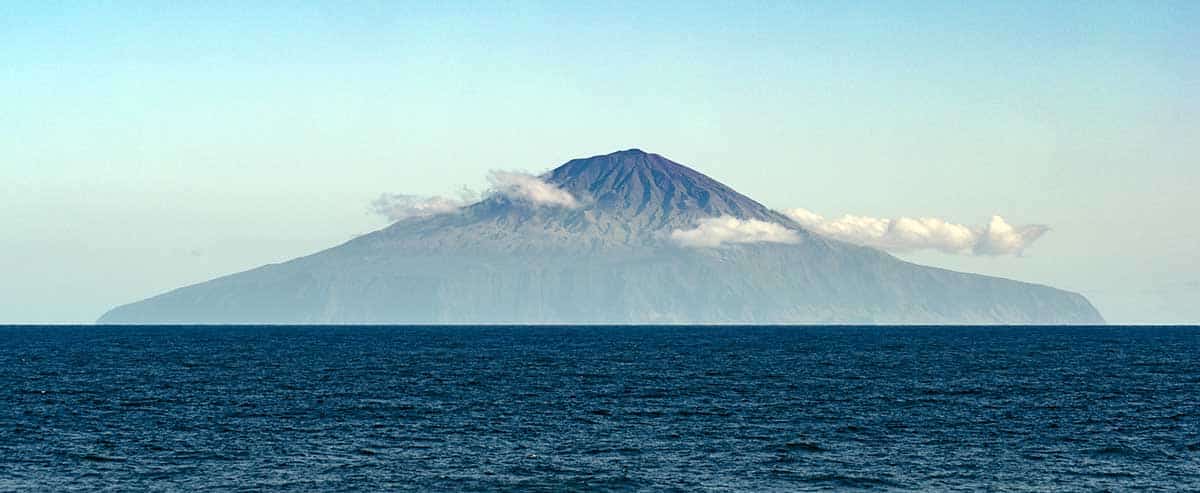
x=609 y=260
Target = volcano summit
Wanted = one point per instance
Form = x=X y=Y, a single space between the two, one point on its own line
x=639 y=239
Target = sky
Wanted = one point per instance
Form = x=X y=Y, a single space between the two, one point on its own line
x=145 y=146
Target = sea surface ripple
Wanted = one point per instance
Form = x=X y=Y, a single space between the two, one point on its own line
x=599 y=408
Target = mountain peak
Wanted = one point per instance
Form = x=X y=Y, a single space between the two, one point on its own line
x=633 y=150
x=621 y=159
x=633 y=183
x=628 y=197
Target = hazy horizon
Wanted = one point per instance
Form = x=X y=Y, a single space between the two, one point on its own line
x=150 y=148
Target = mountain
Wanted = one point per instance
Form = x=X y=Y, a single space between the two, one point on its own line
x=610 y=258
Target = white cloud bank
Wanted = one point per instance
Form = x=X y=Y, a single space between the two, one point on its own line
x=516 y=186
x=926 y=233
x=529 y=188
x=399 y=206
x=716 y=231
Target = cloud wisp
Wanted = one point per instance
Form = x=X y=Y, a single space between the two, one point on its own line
x=713 y=232
x=905 y=234
x=1001 y=238
x=399 y=206
x=516 y=186
x=529 y=188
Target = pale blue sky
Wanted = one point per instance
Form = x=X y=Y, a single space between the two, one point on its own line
x=146 y=146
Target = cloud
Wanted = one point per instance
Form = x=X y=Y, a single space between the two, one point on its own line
x=516 y=186
x=399 y=206
x=528 y=188
x=716 y=231
x=926 y=233
x=1001 y=238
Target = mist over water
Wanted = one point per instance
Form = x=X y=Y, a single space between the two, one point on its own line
x=608 y=408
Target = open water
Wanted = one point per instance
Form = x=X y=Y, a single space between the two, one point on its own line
x=599 y=408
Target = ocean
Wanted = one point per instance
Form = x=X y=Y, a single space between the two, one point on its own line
x=597 y=408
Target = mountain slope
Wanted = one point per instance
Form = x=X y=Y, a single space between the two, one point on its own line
x=609 y=260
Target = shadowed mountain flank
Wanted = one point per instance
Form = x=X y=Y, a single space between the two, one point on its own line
x=609 y=257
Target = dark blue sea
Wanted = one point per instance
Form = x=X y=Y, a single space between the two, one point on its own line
x=599 y=408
